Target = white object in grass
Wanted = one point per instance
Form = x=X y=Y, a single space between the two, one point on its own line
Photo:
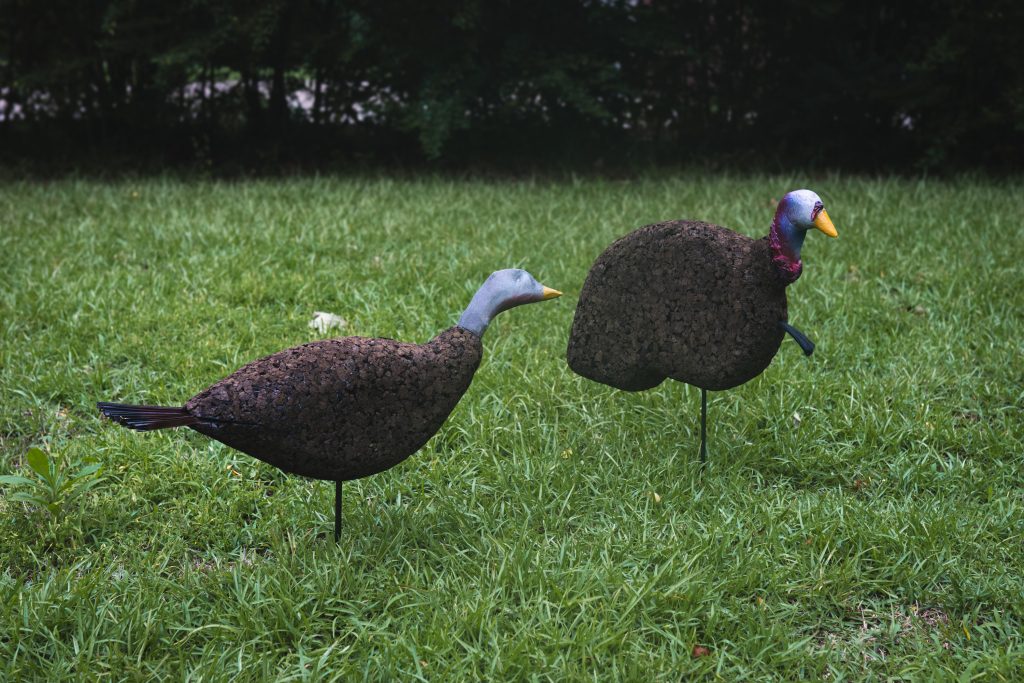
x=323 y=322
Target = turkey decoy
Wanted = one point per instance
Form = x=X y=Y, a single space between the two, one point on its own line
x=341 y=409
x=692 y=301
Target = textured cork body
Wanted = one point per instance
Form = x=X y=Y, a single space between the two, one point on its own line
x=687 y=300
x=340 y=409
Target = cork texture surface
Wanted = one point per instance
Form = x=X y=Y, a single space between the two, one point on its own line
x=340 y=409
x=686 y=300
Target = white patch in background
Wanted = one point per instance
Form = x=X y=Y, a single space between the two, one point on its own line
x=324 y=322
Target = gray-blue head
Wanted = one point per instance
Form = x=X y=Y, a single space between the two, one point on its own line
x=798 y=212
x=504 y=289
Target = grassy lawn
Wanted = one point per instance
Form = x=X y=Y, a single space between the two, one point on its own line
x=862 y=514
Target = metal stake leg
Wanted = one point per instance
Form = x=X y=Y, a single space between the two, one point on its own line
x=337 y=511
x=703 y=426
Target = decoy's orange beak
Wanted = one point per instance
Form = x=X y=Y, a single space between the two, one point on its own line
x=550 y=294
x=824 y=223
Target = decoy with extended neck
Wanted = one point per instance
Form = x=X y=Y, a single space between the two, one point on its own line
x=692 y=301
x=341 y=409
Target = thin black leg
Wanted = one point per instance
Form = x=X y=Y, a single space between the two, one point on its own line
x=703 y=426
x=337 y=511
x=806 y=344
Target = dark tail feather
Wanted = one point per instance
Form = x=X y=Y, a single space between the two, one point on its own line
x=145 y=418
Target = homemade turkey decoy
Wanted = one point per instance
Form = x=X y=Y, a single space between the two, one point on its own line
x=692 y=301
x=341 y=409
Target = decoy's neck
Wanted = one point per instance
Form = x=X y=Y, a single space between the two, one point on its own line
x=785 y=241
x=486 y=303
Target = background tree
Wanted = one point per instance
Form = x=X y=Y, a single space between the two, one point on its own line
x=929 y=85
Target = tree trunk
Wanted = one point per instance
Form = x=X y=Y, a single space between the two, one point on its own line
x=253 y=108
x=318 y=97
x=278 y=96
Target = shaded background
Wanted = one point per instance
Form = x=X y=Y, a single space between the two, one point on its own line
x=456 y=83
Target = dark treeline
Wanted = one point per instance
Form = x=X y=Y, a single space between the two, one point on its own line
x=917 y=85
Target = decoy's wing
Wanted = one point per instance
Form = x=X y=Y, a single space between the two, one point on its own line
x=334 y=409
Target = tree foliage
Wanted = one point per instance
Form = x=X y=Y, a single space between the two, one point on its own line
x=868 y=84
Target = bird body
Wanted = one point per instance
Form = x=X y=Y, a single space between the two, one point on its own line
x=346 y=408
x=692 y=301
x=340 y=409
x=686 y=300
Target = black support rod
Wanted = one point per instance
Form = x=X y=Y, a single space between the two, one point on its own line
x=806 y=344
x=337 y=511
x=703 y=426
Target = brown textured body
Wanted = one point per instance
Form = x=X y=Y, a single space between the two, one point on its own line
x=682 y=299
x=340 y=409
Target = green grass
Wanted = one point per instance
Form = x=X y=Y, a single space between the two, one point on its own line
x=555 y=529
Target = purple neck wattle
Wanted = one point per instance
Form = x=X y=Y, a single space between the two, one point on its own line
x=785 y=257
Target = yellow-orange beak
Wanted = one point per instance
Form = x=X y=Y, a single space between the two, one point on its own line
x=824 y=223
x=550 y=293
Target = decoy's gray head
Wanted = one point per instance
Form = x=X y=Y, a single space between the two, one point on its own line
x=798 y=212
x=515 y=287
x=504 y=289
